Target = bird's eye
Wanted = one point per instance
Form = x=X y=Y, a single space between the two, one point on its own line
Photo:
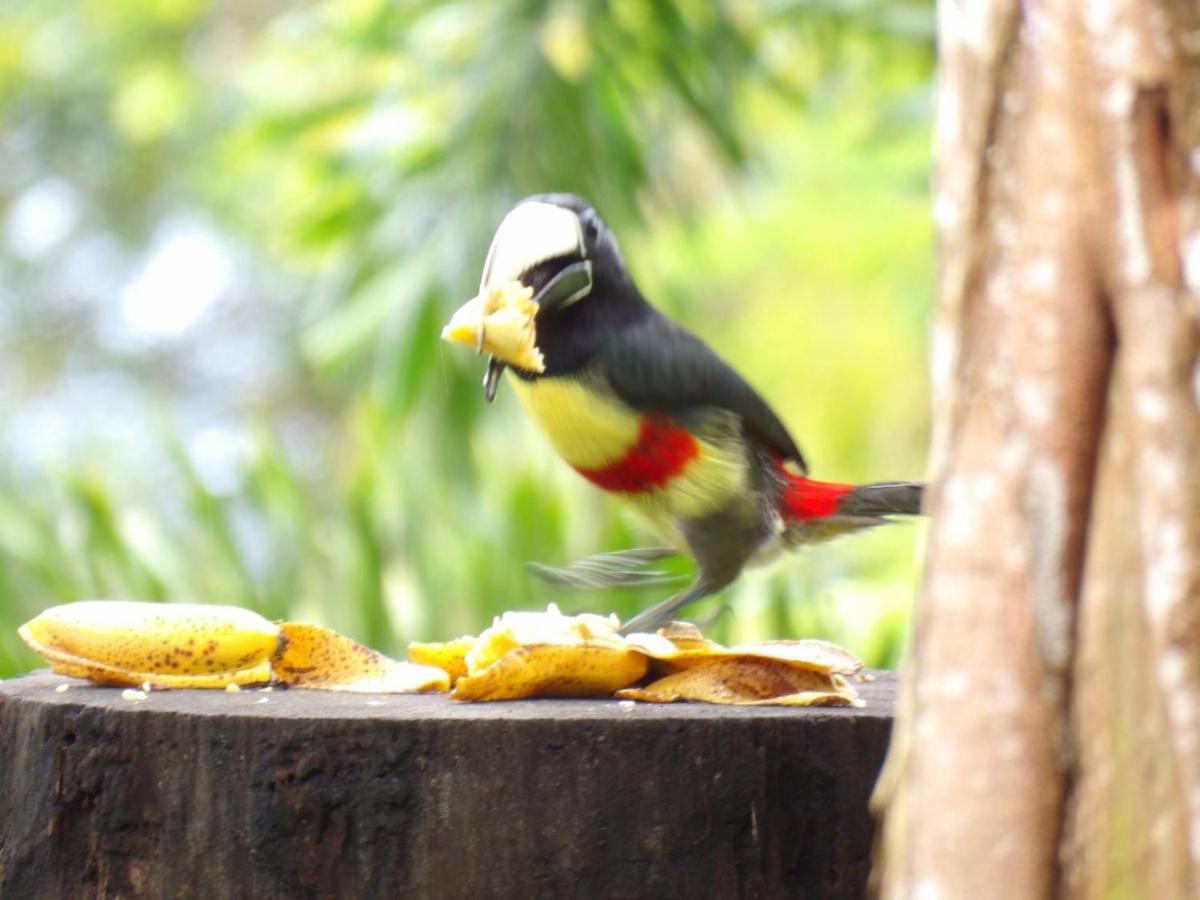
x=593 y=230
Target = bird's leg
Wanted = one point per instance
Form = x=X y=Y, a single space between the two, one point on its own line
x=660 y=614
x=714 y=618
x=622 y=568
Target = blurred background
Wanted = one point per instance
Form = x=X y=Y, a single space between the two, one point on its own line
x=230 y=233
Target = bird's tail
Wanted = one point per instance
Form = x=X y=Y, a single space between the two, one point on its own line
x=818 y=510
x=887 y=498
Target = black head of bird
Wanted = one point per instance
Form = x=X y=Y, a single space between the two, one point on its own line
x=557 y=246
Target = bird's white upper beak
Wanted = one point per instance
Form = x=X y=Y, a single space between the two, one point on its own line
x=499 y=319
x=531 y=233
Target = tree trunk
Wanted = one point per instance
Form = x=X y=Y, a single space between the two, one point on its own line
x=1048 y=739
x=310 y=794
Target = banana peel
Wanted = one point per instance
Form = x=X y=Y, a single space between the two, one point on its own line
x=776 y=673
x=187 y=645
x=747 y=681
x=314 y=657
x=175 y=645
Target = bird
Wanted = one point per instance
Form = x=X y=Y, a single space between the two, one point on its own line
x=647 y=412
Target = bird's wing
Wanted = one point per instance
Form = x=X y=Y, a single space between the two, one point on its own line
x=657 y=365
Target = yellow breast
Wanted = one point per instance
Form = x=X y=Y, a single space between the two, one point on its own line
x=591 y=428
x=587 y=425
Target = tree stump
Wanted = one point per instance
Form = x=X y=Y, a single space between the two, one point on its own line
x=293 y=794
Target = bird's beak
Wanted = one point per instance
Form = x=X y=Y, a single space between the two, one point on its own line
x=500 y=319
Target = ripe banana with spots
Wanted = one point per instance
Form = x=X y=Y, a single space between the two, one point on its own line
x=182 y=645
x=173 y=644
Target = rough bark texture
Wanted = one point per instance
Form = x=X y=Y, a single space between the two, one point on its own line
x=207 y=794
x=1048 y=740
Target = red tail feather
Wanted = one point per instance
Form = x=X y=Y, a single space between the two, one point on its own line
x=805 y=499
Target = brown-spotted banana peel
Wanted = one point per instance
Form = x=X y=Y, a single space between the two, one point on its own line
x=182 y=645
x=175 y=645
x=314 y=657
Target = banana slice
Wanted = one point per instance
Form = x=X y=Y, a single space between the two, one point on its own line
x=547 y=654
x=500 y=321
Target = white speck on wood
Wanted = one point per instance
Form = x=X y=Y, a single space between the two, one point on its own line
x=1151 y=404
x=964 y=22
x=1054 y=203
x=928 y=889
x=1006 y=229
x=1035 y=402
x=954 y=687
x=1042 y=274
x=1166 y=568
x=945 y=211
x=965 y=501
x=949 y=115
x=943 y=354
x=1137 y=256
x=1191 y=261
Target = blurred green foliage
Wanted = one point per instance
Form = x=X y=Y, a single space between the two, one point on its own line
x=763 y=164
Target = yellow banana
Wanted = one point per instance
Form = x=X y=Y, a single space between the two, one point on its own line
x=126 y=642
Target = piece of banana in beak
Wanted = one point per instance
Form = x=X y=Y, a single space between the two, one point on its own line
x=500 y=321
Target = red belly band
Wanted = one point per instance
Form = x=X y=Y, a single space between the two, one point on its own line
x=662 y=452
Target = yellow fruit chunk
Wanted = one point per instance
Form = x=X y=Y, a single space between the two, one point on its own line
x=554 y=670
x=125 y=642
x=314 y=657
x=449 y=656
x=514 y=630
x=747 y=681
x=547 y=654
x=500 y=321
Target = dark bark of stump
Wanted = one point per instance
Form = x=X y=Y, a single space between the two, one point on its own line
x=208 y=794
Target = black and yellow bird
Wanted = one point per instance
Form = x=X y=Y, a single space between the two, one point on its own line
x=646 y=411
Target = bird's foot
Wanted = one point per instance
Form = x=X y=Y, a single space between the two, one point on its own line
x=654 y=618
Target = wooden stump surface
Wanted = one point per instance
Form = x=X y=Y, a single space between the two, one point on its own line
x=295 y=794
